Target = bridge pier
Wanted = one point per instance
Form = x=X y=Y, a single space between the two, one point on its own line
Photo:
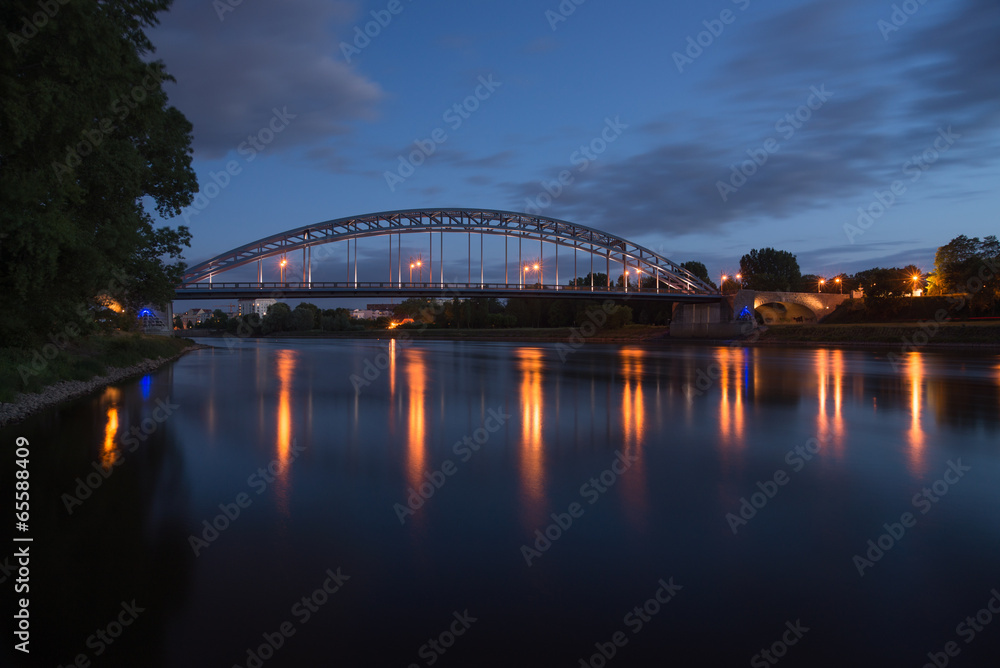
x=705 y=321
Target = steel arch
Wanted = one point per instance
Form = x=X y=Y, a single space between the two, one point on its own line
x=487 y=221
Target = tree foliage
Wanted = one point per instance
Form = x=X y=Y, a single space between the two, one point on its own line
x=881 y=282
x=970 y=266
x=770 y=269
x=600 y=280
x=86 y=135
x=699 y=270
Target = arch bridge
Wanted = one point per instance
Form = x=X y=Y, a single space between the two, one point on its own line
x=655 y=275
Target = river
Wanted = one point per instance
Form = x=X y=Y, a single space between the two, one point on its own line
x=394 y=503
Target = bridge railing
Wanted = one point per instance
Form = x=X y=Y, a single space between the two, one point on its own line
x=416 y=286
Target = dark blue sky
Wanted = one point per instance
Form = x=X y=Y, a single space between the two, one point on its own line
x=838 y=100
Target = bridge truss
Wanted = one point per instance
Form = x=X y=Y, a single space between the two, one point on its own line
x=319 y=239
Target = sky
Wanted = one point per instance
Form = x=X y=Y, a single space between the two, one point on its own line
x=851 y=133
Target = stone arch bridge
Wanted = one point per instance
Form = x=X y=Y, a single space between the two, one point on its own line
x=728 y=318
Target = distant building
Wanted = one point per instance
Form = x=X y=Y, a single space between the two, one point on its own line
x=258 y=306
x=195 y=316
x=369 y=313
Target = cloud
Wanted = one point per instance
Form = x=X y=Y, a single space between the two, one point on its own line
x=232 y=73
x=888 y=102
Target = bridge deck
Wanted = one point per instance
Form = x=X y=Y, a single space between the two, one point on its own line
x=317 y=290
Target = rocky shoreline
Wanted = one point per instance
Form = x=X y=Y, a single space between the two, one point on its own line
x=28 y=404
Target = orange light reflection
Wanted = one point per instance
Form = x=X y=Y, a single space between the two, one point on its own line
x=634 y=429
x=532 y=457
x=416 y=379
x=916 y=435
x=109 y=453
x=830 y=370
x=732 y=429
x=286 y=360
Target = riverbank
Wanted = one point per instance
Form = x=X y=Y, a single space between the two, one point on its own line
x=949 y=336
x=50 y=376
x=903 y=336
x=627 y=334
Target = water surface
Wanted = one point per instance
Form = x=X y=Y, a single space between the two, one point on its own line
x=561 y=489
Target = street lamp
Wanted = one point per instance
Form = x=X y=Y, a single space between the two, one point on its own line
x=915 y=279
x=282 y=265
x=840 y=283
x=418 y=263
x=819 y=286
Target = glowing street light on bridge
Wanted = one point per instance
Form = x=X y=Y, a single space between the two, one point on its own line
x=524 y=276
x=819 y=286
x=282 y=266
x=419 y=264
x=840 y=283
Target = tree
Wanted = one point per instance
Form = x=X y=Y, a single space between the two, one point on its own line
x=913 y=276
x=769 y=269
x=969 y=266
x=881 y=282
x=218 y=320
x=86 y=134
x=600 y=281
x=315 y=314
x=277 y=319
x=335 y=320
x=302 y=319
x=699 y=270
x=413 y=307
x=810 y=283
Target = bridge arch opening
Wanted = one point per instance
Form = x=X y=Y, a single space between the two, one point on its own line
x=784 y=313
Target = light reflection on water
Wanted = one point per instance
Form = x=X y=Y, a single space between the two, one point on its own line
x=884 y=434
x=285 y=362
x=530 y=368
x=110 y=453
x=415 y=372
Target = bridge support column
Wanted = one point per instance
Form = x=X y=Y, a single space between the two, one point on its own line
x=704 y=321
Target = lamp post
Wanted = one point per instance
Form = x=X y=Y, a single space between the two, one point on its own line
x=819 y=286
x=418 y=263
x=913 y=291
x=840 y=283
x=739 y=282
x=282 y=265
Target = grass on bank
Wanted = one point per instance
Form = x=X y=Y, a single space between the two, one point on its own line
x=33 y=369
